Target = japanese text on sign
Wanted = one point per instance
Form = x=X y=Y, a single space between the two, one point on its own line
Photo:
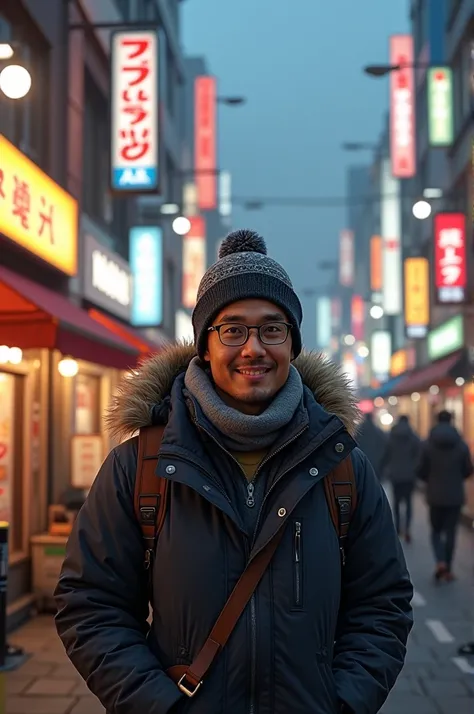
x=205 y=142
x=402 y=110
x=346 y=258
x=417 y=300
x=440 y=106
x=450 y=257
x=86 y=459
x=134 y=129
x=35 y=212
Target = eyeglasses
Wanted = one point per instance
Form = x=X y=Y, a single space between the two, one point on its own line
x=232 y=334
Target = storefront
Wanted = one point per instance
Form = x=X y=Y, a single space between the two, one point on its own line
x=58 y=366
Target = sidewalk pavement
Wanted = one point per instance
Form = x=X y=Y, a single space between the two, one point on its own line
x=47 y=683
x=434 y=680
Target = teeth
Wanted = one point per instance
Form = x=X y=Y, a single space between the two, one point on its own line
x=252 y=372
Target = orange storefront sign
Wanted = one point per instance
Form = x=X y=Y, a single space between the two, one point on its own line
x=398 y=363
x=376 y=256
x=417 y=296
x=402 y=361
x=35 y=212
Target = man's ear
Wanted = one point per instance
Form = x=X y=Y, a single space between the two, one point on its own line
x=207 y=356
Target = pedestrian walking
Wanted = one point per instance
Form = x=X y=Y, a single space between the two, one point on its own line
x=248 y=517
x=444 y=466
x=400 y=464
x=373 y=442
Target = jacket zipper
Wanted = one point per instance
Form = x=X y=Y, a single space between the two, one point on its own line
x=297 y=563
x=294 y=465
x=250 y=500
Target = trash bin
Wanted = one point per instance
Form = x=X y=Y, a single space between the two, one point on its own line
x=47 y=553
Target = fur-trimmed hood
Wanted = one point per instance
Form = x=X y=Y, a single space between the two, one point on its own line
x=141 y=391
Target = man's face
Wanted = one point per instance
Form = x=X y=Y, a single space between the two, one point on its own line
x=248 y=376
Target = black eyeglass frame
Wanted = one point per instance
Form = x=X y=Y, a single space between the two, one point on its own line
x=217 y=328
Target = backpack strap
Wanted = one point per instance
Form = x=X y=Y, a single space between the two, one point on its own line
x=151 y=490
x=341 y=496
x=189 y=678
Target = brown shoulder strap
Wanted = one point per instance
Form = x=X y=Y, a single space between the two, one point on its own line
x=189 y=679
x=341 y=496
x=150 y=497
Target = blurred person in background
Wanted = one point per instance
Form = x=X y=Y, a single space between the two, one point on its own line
x=373 y=442
x=399 y=465
x=444 y=466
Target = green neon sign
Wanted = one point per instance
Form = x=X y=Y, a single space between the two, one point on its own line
x=446 y=338
x=440 y=106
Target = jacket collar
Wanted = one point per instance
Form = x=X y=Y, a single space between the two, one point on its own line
x=144 y=396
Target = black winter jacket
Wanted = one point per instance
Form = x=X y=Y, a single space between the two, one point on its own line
x=299 y=647
x=445 y=464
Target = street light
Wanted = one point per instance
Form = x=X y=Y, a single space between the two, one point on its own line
x=15 y=81
x=181 y=225
x=6 y=51
x=421 y=209
x=381 y=70
x=231 y=101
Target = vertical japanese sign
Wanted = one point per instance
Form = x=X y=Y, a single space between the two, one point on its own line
x=225 y=195
x=390 y=218
x=194 y=260
x=402 y=107
x=346 y=258
x=205 y=141
x=336 y=314
x=450 y=257
x=146 y=262
x=323 y=322
x=381 y=354
x=357 y=317
x=35 y=212
x=440 y=106
x=417 y=297
x=376 y=267
x=134 y=119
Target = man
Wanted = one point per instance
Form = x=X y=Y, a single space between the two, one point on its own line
x=249 y=439
x=373 y=442
x=400 y=463
x=445 y=464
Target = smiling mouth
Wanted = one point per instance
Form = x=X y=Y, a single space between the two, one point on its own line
x=253 y=371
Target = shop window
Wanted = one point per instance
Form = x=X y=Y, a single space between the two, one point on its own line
x=11 y=457
x=87 y=404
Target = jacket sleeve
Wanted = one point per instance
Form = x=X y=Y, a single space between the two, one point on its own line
x=375 y=615
x=102 y=601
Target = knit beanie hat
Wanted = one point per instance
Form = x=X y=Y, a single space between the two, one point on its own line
x=243 y=270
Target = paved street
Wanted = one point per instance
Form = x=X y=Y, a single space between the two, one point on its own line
x=433 y=681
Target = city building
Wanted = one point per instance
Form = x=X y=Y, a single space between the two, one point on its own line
x=216 y=225
x=432 y=367
x=68 y=305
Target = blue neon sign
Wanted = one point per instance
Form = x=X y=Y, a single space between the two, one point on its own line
x=146 y=262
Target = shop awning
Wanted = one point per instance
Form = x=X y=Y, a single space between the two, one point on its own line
x=442 y=373
x=129 y=334
x=32 y=316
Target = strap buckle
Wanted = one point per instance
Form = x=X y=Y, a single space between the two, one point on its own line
x=186 y=690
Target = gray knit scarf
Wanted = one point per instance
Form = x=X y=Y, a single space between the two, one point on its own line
x=244 y=432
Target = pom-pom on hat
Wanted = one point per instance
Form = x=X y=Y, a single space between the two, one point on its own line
x=244 y=270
